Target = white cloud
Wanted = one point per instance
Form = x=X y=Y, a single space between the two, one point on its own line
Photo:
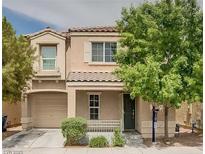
x=67 y=13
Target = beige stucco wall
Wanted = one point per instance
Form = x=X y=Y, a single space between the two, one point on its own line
x=144 y=120
x=186 y=114
x=70 y=52
x=48 y=84
x=110 y=105
x=50 y=38
x=71 y=58
x=137 y=115
x=75 y=54
x=13 y=112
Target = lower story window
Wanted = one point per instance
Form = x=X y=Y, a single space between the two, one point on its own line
x=94 y=106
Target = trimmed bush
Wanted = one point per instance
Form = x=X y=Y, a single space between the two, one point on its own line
x=98 y=142
x=74 y=129
x=118 y=139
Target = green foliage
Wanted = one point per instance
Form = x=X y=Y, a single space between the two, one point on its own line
x=74 y=129
x=160 y=58
x=98 y=142
x=118 y=139
x=161 y=51
x=17 y=62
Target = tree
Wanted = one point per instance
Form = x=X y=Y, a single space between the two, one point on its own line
x=17 y=62
x=160 y=58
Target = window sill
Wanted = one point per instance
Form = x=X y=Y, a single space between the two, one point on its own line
x=49 y=73
x=103 y=63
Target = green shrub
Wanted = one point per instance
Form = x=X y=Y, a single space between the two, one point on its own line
x=74 y=129
x=98 y=142
x=118 y=139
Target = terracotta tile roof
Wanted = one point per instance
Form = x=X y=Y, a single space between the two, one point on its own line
x=74 y=29
x=94 y=29
x=92 y=77
x=65 y=34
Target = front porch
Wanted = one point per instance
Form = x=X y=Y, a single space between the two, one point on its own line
x=101 y=108
x=115 y=109
x=105 y=108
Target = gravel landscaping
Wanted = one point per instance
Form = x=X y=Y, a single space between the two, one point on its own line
x=185 y=138
x=11 y=131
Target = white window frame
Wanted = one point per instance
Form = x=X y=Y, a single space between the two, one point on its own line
x=89 y=107
x=103 y=42
x=41 y=57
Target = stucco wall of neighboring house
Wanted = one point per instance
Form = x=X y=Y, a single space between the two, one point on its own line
x=48 y=84
x=46 y=39
x=183 y=115
x=110 y=105
x=144 y=111
x=197 y=114
x=82 y=44
x=187 y=114
x=13 y=112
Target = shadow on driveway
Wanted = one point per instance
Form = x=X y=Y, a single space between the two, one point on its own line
x=22 y=139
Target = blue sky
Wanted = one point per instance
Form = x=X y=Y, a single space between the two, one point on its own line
x=24 y=24
x=29 y=16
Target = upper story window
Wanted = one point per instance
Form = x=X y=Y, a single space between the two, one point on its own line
x=103 y=51
x=48 y=54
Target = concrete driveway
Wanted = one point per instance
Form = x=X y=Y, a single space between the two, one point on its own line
x=34 y=139
x=51 y=141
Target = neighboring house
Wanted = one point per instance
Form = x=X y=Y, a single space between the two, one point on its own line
x=188 y=114
x=13 y=113
x=74 y=78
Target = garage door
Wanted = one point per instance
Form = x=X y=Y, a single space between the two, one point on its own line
x=49 y=109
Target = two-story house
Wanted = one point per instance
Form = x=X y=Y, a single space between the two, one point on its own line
x=74 y=78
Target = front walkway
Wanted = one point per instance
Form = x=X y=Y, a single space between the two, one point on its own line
x=51 y=142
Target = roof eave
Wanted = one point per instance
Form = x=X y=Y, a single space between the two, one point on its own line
x=44 y=31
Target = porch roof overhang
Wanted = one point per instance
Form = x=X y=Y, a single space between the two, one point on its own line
x=94 y=81
x=45 y=90
x=116 y=86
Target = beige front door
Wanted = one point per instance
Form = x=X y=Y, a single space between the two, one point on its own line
x=49 y=109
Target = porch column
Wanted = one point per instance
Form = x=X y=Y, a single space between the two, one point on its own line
x=121 y=111
x=71 y=102
x=26 y=120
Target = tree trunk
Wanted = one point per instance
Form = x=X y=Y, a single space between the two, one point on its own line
x=166 y=111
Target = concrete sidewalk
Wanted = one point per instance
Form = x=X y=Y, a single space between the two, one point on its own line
x=125 y=150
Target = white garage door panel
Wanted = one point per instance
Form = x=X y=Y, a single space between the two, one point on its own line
x=49 y=109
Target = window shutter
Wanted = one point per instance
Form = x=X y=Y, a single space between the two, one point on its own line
x=87 y=51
